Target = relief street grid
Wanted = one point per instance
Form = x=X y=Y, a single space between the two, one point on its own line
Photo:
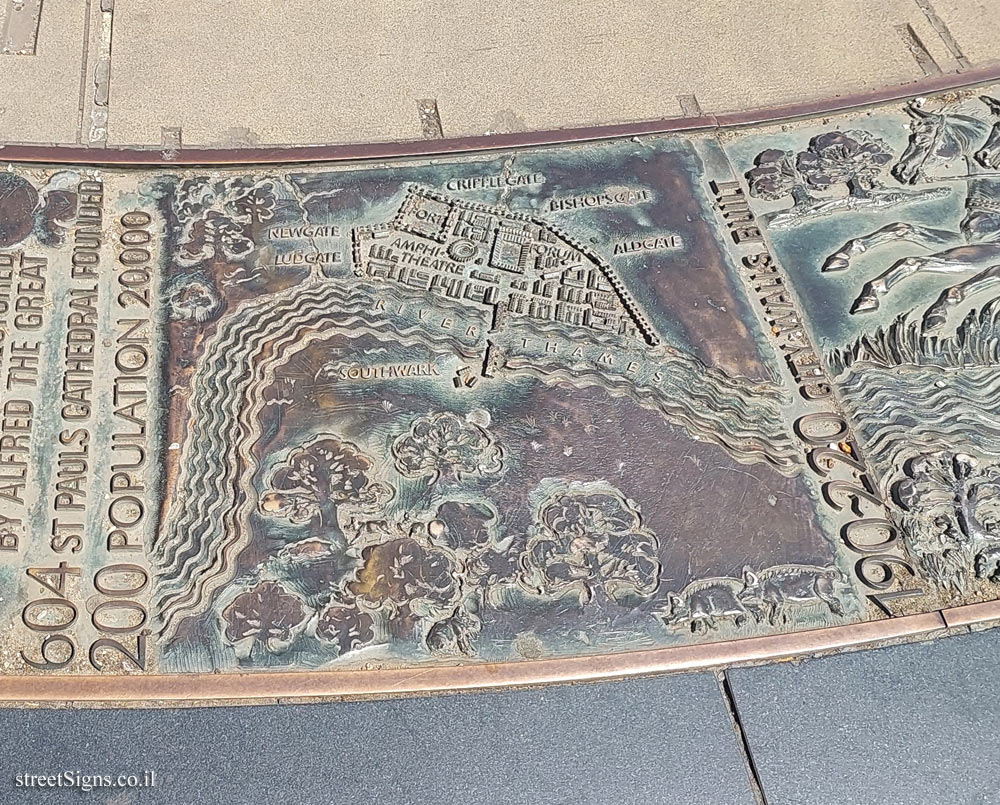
x=536 y=404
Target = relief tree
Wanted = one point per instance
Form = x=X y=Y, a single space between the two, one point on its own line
x=775 y=176
x=267 y=616
x=838 y=171
x=409 y=579
x=345 y=626
x=589 y=541
x=444 y=445
x=18 y=200
x=853 y=158
x=318 y=478
x=217 y=217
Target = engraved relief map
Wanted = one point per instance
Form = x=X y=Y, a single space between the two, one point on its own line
x=528 y=405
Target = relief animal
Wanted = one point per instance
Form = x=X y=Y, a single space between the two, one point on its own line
x=782 y=588
x=455 y=634
x=703 y=603
x=937 y=138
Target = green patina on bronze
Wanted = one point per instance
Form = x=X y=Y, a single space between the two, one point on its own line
x=535 y=404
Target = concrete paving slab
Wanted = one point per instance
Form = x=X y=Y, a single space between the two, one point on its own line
x=975 y=26
x=296 y=73
x=906 y=725
x=666 y=740
x=40 y=93
x=228 y=73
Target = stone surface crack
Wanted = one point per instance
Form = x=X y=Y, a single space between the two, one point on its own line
x=745 y=750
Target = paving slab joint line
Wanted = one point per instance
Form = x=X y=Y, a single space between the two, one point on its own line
x=82 y=109
x=918 y=49
x=942 y=30
x=753 y=775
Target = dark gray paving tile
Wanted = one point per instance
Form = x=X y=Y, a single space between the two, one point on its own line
x=906 y=724
x=664 y=740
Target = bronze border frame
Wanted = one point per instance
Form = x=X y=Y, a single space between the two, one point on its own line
x=269 y=687
x=149 y=156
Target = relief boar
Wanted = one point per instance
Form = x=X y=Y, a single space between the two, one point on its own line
x=782 y=588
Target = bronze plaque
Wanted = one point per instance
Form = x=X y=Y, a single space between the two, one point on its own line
x=594 y=401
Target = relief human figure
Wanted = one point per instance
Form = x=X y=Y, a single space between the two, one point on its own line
x=936 y=138
x=951 y=505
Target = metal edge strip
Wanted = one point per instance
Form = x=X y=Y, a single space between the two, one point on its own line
x=366 y=684
x=149 y=156
x=970 y=614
